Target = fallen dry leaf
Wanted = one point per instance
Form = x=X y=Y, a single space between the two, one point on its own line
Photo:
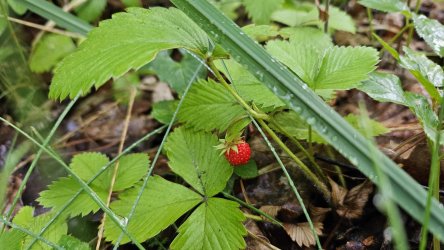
x=270 y=210
x=317 y=214
x=350 y=203
x=302 y=234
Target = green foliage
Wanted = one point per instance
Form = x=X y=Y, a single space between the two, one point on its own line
x=176 y=74
x=161 y=204
x=26 y=219
x=308 y=14
x=132 y=3
x=248 y=86
x=209 y=106
x=260 y=10
x=385 y=5
x=216 y=224
x=431 y=31
x=384 y=87
x=163 y=111
x=17 y=6
x=429 y=120
x=91 y=10
x=290 y=124
x=49 y=50
x=13 y=239
x=131 y=169
x=321 y=66
x=127 y=41
x=193 y=157
x=72 y=243
x=427 y=72
x=247 y=171
x=123 y=86
x=261 y=33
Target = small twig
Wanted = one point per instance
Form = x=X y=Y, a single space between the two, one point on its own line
x=262 y=241
x=42 y=27
x=116 y=167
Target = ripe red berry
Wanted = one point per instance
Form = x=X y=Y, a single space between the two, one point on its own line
x=238 y=154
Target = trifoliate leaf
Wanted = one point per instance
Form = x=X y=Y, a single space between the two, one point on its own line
x=91 y=10
x=261 y=33
x=49 y=51
x=17 y=7
x=429 y=120
x=345 y=67
x=248 y=87
x=209 y=106
x=72 y=243
x=193 y=157
x=260 y=10
x=385 y=5
x=163 y=111
x=161 y=204
x=25 y=219
x=384 y=87
x=127 y=41
x=131 y=169
x=177 y=74
x=431 y=31
x=427 y=72
x=215 y=224
x=325 y=67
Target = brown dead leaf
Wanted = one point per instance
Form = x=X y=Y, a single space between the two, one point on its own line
x=302 y=234
x=270 y=210
x=350 y=203
x=317 y=214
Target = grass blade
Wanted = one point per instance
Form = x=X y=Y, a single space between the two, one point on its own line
x=330 y=125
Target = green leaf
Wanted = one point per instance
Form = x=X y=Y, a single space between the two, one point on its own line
x=26 y=219
x=12 y=238
x=248 y=87
x=161 y=204
x=17 y=7
x=261 y=33
x=407 y=193
x=247 y=171
x=49 y=51
x=324 y=67
x=91 y=10
x=123 y=86
x=127 y=41
x=72 y=243
x=428 y=73
x=163 y=111
x=132 y=3
x=260 y=10
x=314 y=36
x=131 y=169
x=429 y=120
x=384 y=87
x=431 y=31
x=385 y=5
x=340 y=20
x=193 y=157
x=176 y=74
x=209 y=106
x=345 y=67
x=216 y=224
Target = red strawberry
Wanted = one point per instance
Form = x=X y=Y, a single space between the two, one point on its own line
x=238 y=154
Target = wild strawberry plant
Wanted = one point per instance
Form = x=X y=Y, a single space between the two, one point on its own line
x=221 y=104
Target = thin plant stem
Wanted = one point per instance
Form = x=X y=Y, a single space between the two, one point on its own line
x=243 y=203
x=433 y=191
x=327 y=6
x=370 y=22
x=133 y=93
x=37 y=157
x=290 y=182
x=408 y=20
x=103 y=169
x=147 y=176
x=253 y=217
x=86 y=188
x=310 y=140
x=30 y=233
x=337 y=168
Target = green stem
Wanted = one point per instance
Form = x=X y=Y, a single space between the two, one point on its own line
x=234 y=93
x=412 y=28
x=370 y=22
x=337 y=168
